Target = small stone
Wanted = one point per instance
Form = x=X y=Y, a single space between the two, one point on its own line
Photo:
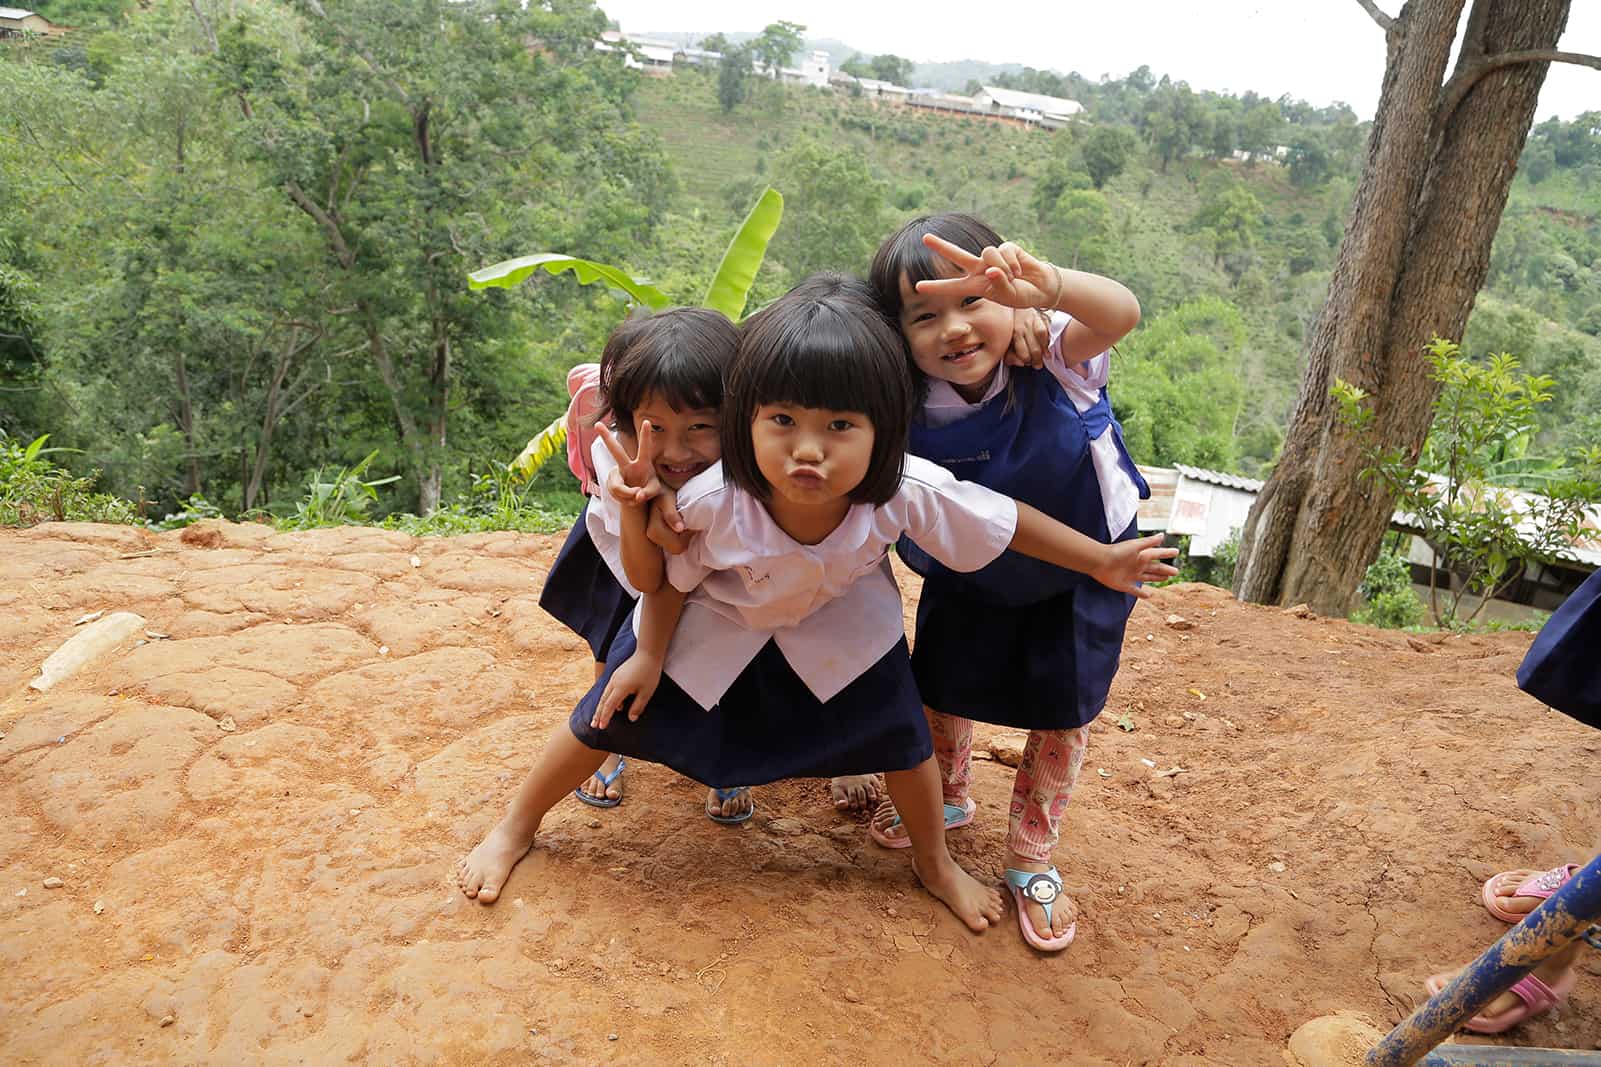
x=383 y=650
x=665 y=969
x=100 y=907
x=167 y=1020
x=1103 y=772
x=611 y=1037
x=1175 y=721
x=1419 y=646
x=22 y=892
x=1178 y=622
x=1277 y=867
x=415 y=562
x=517 y=903
x=154 y=636
x=227 y=725
x=851 y=995
x=1007 y=750
x=1301 y=611
x=891 y=912
x=558 y=964
x=593 y=824
x=787 y=827
x=1150 y=637
x=53 y=883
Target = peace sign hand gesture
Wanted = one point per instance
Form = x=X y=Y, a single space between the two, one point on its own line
x=633 y=482
x=1005 y=274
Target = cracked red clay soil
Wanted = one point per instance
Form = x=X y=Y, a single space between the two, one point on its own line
x=255 y=821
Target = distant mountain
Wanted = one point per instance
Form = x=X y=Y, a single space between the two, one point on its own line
x=950 y=76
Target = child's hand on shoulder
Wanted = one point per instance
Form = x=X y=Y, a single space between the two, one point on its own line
x=1031 y=338
x=1003 y=273
x=633 y=481
x=1132 y=562
x=636 y=679
x=664 y=527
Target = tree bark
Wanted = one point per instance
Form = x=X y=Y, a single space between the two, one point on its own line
x=1416 y=251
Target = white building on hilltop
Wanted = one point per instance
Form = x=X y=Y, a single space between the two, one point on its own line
x=1033 y=108
x=647 y=54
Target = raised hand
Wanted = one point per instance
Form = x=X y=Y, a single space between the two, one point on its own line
x=1003 y=273
x=1132 y=562
x=634 y=480
x=636 y=679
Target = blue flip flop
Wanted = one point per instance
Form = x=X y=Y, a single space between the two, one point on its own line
x=605 y=780
x=730 y=794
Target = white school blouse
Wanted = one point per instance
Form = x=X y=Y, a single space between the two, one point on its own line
x=833 y=608
x=603 y=518
x=1119 y=496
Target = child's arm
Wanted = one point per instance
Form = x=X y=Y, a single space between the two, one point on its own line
x=1103 y=311
x=638 y=678
x=632 y=483
x=967 y=526
x=1120 y=566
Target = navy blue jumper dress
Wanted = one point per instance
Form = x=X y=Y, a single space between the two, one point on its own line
x=1563 y=667
x=1022 y=643
x=583 y=594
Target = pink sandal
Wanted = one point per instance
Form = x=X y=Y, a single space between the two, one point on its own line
x=1044 y=889
x=955 y=818
x=1534 y=998
x=1541 y=885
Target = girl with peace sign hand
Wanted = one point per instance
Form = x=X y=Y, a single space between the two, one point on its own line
x=1015 y=644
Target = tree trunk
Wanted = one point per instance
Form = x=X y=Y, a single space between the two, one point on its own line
x=1415 y=254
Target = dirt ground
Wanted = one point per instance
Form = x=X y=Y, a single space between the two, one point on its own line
x=254 y=819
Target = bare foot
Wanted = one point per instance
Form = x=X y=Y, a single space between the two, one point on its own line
x=976 y=904
x=731 y=805
x=483 y=872
x=1063 y=910
x=856 y=792
x=608 y=781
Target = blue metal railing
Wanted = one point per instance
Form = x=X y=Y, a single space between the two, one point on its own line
x=1547 y=930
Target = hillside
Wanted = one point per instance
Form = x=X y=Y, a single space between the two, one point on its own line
x=255 y=809
x=1258 y=236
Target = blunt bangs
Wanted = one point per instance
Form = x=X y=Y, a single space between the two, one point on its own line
x=904 y=254
x=679 y=354
x=824 y=344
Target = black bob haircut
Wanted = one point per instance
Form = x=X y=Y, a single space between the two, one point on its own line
x=904 y=254
x=679 y=354
x=824 y=344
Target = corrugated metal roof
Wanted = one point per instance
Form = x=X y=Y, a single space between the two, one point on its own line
x=1049 y=105
x=14 y=13
x=1232 y=481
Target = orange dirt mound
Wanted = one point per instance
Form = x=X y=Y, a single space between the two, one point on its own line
x=255 y=820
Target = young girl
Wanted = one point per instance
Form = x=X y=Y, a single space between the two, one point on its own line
x=793 y=618
x=660 y=380
x=1015 y=644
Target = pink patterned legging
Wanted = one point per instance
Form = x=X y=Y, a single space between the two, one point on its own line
x=1044 y=783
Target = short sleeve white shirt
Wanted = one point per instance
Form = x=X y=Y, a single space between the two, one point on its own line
x=833 y=608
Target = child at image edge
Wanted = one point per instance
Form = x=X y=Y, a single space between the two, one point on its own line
x=783 y=607
x=1017 y=643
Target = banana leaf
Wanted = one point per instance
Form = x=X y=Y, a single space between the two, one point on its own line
x=512 y=272
x=731 y=284
x=544 y=445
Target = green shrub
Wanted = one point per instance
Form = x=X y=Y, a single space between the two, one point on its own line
x=1387 y=596
x=32 y=491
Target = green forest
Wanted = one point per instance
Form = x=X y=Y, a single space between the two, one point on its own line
x=234 y=264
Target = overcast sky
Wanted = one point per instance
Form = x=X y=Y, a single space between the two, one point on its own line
x=1319 y=50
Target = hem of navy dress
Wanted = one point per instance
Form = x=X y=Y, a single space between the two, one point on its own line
x=1562 y=668
x=769 y=726
x=1047 y=665
x=583 y=594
